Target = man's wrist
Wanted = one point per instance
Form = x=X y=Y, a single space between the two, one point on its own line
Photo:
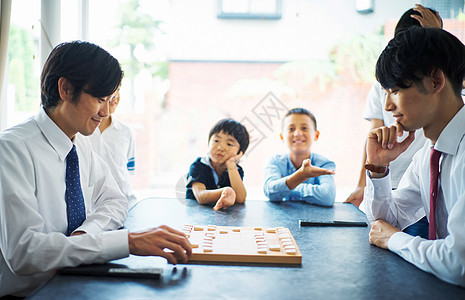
x=376 y=169
x=131 y=245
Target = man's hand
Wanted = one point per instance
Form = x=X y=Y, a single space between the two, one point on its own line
x=308 y=170
x=380 y=233
x=382 y=145
x=228 y=198
x=356 y=197
x=234 y=160
x=153 y=241
x=427 y=18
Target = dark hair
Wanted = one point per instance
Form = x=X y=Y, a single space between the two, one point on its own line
x=416 y=53
x=301 y=111
x=406 y=21
x=234 y=128
x=86 y=66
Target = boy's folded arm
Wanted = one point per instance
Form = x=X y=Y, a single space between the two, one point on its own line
x=204 y=196
x=276 y=189
x=306 y=171
x=295 y=179
x=323 y=193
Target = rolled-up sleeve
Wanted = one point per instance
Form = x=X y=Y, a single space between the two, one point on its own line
x=275 y=187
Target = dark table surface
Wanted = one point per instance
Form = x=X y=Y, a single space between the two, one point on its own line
x=337 y=262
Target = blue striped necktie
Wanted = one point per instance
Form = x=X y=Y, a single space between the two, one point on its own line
x=74 y=199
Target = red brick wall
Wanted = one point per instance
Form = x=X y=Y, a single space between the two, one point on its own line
x=200 y=95
x=170 y=136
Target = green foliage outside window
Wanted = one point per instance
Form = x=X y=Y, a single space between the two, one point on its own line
x=21 y=69
x=135 y=30
x=358 y=54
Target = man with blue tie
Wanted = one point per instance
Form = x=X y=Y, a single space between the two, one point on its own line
x=421 y=71
x=58 y=206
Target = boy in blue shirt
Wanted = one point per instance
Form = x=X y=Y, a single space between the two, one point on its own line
x=300 y=174
x=218 y=177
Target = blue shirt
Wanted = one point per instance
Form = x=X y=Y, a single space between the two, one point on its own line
x=319 y=190
x=202 y=171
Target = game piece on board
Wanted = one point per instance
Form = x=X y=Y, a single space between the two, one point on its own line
x=275 y=247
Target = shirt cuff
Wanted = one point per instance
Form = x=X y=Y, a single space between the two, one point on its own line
x=114 y=244
x=282 y=186
x=398 y=241
x=277 y=190
x=380 y=187
x=89 y=227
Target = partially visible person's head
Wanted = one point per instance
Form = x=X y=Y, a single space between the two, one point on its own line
x=233 y=129
x=299 y=130
x=114 y=101
x=406 y=21
x=87 y=67
x=418 y=52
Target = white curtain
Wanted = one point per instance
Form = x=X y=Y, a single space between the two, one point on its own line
x=5 y=12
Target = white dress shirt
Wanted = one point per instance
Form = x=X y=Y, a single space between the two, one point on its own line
x=374 y=109
x=33 y=219
x=444 y=257
x=116 y=146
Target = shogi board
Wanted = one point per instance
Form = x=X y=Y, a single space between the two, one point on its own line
x=242 y=244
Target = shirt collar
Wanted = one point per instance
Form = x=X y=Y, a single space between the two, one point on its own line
x=54 y=135
x=451 y=136
x=115 y=123
x=206 y=161
x=290 y=165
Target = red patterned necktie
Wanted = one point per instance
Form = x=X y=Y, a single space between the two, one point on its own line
x=433 y=191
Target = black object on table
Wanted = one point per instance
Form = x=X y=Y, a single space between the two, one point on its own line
x=113 y=270
x=311 y=223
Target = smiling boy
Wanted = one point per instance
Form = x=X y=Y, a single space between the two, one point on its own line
x=300 y=175
x=218 y=177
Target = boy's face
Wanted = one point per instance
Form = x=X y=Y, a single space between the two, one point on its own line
x=222 y=146
x=299 y=133
x=412 y=107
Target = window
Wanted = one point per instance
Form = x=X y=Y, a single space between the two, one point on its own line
x=23 y=91
x=249 y=9
x=446 y=8
x=186 y=68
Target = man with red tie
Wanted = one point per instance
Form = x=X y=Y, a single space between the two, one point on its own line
x=422 y=72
